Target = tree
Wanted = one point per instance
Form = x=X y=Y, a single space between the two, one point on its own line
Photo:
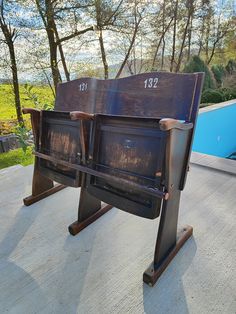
x=216 y=23
x=50 y=11
x=172 y=61
x=186 y=31
x=106 y=14
x=10 y=35
x=161 y=25
x=198 y=65
x=137 y=17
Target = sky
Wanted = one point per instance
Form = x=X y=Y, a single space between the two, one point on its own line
x=32 y=46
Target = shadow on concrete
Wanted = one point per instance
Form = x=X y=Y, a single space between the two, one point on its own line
x=75 y=276
x=15 y=282
x=168 y=294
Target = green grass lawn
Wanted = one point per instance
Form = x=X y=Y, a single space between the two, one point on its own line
x=15 y=157
x=8 y=121
x=7 y=108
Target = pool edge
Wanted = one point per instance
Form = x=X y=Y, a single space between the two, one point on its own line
x=213 y=162
x=217 y=106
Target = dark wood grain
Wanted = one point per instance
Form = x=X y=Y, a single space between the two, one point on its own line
x=78 y=226
x=127 y=142
x=172 y=96
x=59 y=138
x=80 y=115
x=155 y=95
x=153 y=272
x=131 y=150
x=150 y=190
x=168 y=124
x=42 y=186
x=35 y=198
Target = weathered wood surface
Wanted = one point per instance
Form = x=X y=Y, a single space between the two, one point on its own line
x=132 y=149
x=155 y=94
x=42 y=186
x=59 y=137
x=149 y=190
x=130 y=156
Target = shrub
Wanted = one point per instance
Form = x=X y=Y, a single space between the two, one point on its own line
x=212 y=96
x=230 y=81
x=23 y=135
x=219 y=72
x=197 y=65
x=231 y=66
x=228 y=93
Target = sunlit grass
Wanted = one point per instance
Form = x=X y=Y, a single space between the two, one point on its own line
x=15 y=157
x=7 y=108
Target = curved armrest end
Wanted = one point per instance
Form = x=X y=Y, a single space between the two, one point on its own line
x=30 y=110
x=80 y=115
x=167 y=124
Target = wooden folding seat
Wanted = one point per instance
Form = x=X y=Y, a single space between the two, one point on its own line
x=56 y=135
x=134 y=144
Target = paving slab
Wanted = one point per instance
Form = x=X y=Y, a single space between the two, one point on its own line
x=43 y=269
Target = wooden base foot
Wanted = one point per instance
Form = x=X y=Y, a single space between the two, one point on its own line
x=35 y=198
x=77 y=226
x=153 y=272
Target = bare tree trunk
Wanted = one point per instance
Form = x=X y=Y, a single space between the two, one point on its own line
x=174 y=36
x=202 y=32
x=163 y=53
x=63 y=60
x=218 y=38
x=190 y=13
x=163 y=37
x=52 y=43
x=137 y=22
x=159 y=43
x=219 y=35
x=190 y=39
x=128 y=52
x=207 y=38
x=9 y=39
x=103 y=52
x=135 y=61
x=15 y=84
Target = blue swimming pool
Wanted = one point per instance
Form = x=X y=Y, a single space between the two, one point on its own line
x=216 y=131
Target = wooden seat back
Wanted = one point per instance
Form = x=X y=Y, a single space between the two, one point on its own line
x=155 y=94
x=149 y=95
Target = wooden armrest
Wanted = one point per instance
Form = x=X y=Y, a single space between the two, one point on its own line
x=80 y=115
x=168 y=124
x=30 y=110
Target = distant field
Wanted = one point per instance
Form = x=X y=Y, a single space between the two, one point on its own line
x=7 y=108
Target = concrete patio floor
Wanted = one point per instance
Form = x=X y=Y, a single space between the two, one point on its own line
x=43 y=269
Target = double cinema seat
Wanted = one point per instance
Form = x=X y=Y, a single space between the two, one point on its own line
x=135 y=163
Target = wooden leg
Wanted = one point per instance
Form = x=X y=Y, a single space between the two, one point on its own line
x=78 y=226
x=29 y=200
x=90 y=209
x=168 y=241
x=41 y=186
